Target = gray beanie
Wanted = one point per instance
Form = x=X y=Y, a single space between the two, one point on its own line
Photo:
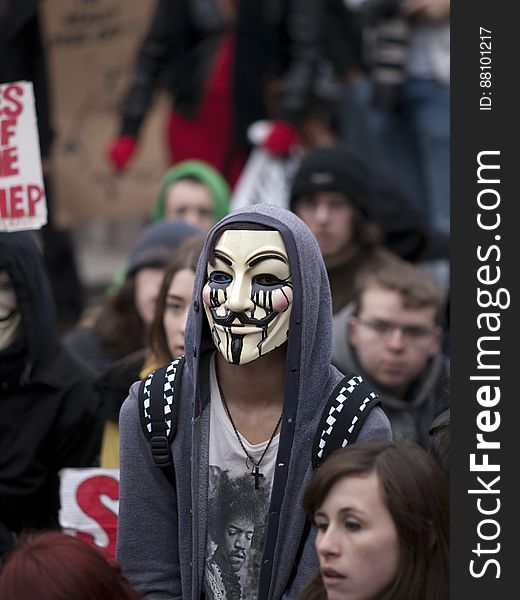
x=157 y=243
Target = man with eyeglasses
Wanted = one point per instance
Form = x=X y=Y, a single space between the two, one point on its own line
x=391 y=334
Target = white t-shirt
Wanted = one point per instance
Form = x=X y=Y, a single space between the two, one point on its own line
x=237 y=513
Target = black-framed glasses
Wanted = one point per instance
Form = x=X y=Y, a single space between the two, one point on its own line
x=385 y=329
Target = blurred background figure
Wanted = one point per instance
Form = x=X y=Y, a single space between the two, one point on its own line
x=125 y=315
x=391 y=334
x=49 y=410
x=227 y=65
x=192 y=191
x=22 y=57
x=381 y=511
x=55 y=566
x=361 y=219
x=165 y=342
x=332 y=192
x=393 y=59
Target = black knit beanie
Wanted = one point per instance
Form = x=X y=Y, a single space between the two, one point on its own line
x=335 y=168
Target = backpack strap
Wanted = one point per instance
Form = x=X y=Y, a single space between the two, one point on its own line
x=158 y=408
x=343 y=416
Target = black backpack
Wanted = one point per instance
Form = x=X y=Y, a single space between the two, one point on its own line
x=343 y=416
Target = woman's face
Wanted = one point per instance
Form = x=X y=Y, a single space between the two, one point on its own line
x=178 y=299
x=357 y=542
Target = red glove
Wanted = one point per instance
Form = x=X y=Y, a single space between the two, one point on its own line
x=281 y=138
x=121 y=151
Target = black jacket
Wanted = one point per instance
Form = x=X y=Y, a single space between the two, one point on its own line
x=274 y=39
x=22 y=57
x=48 y=406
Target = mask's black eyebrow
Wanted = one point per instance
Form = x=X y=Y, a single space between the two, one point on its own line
x=259 y=259
x=223 y=258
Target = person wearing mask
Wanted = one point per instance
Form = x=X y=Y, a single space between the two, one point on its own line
x=23 y=57
x=49 y=410
x=256 y=378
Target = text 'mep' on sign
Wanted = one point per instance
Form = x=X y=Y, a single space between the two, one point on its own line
x=22 y=194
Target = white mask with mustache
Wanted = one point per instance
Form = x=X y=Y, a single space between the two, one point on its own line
x=9 y=315
x=248 y=294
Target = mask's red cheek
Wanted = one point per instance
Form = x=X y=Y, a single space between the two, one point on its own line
x=206 y=292
x=282 y=299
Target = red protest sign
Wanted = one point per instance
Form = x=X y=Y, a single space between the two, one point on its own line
x=22 y=193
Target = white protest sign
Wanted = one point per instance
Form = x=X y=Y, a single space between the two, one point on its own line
x=22 y=194
x=89 y=506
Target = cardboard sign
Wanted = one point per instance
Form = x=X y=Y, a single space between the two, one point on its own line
x=22 y=194
x=91 y=52
x=89 y=506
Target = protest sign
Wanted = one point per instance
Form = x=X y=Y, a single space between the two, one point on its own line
x=91 y=52
x=22 y=194
x=89 y=506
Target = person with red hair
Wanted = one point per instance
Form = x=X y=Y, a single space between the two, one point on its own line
x=56 y=566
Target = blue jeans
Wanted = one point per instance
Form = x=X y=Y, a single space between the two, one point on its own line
x=411 y=145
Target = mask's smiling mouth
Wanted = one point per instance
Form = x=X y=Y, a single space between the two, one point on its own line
x=8 y=316
x=242 y=320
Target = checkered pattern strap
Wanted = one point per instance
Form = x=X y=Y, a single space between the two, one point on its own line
x=342 y=418
x=158 y=407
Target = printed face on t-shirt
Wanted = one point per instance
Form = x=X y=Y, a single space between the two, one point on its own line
x=236 y=541
x=248 y=294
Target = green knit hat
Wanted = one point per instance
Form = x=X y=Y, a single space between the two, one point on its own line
x=210 y=177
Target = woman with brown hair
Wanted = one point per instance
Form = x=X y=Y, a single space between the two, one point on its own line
x=122 y=323
x=166 y=337
x=56 y=566
x=382 y=516
x=165 y=342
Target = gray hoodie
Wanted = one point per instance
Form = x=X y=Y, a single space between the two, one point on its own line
x=162 y=532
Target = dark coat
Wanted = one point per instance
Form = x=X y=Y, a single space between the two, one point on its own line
x=48 y=405
x=274 y=39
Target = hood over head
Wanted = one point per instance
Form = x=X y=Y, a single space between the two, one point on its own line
x=205 y=173
x=21 y=258
x=310 y=327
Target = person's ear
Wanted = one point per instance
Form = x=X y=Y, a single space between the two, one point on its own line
x=436 y=341
x=353 y=331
